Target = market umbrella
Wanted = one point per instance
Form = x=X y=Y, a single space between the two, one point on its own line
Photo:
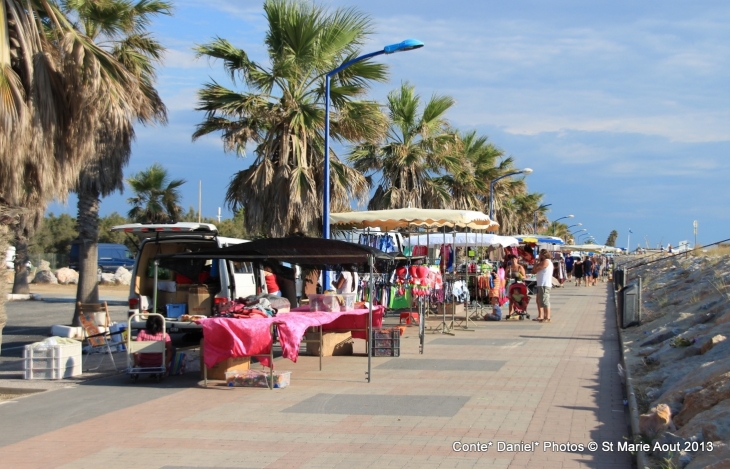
x=539 y=239
x=404 y=217
x=463 y=239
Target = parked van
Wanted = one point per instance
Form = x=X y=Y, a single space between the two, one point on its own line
x=221 y=279
x=110 y=258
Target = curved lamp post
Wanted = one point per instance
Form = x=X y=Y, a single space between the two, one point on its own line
x=583 y=235
x=577 y=231
x=408 y=44
x=555 y=222
x=525 y=171
x=577 y=224
x=534 y=214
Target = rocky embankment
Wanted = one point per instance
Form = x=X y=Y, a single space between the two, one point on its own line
x=679 y=360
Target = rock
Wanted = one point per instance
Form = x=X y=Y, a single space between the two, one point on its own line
x=45 y=276
x=67 y=276
x=660 y=337
x=714 y=423
x=107 y=279
x=724 y=318
x=700 y=400
x=44 y=266
x=708 y=344
x=718 y=458
x=691 y=351
x=122 y=276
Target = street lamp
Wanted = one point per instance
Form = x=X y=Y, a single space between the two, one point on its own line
x=571 y=226
x=584 y=234
x=577 y=231
x=408 y=44
x=555 y=222
x=534 y=223
x=525 y=171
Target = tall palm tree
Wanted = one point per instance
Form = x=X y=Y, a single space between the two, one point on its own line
x=120 y=27
x=156 y=197
x=418 y=146
x=53 y=79
x=281 y=112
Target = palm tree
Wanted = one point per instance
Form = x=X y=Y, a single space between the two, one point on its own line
x=417 y=147
x=156 y=197
x=53 y=82
x=281 y=112
x=120 y=25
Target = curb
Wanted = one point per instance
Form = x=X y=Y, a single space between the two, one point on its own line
x=73 y=300
x=641 y=462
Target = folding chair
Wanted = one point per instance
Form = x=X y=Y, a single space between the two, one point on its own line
x=98 y=341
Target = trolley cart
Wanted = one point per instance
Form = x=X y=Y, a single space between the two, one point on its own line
x=152 y=346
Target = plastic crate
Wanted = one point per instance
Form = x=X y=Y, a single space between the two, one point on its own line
x=257 y=379
x=48 y=360
x=53 y=373
x=174 y=311
x=386 y=342
x=327 y=303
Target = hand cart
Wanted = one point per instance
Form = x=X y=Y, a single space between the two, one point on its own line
x=151 y=346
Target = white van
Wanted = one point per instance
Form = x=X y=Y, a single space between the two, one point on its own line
x=226 y=280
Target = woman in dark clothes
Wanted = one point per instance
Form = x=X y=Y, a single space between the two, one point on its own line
x=578 y=271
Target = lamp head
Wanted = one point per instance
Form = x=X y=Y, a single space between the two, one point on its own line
x=570 y=216
x=580 y=224
x=527 y=171
x=408 y=44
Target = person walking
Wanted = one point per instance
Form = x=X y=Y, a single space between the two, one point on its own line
x=569 y=267
x=544 y=272
x=578 y=271
x=587 y=270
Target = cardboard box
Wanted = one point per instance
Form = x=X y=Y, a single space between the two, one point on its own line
x=334 y=343
x=199 y=300
x=218 y=371
x=450 y=308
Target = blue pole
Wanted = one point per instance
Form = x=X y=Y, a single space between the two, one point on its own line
x=408 y=44
x=491 y=206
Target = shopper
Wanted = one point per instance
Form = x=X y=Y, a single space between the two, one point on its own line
x=348 y=280
x=587 y=270
x=513 y=268
x=272 y=286
x=569 y=267
x=495 y=287
x=544 y=272
x=578 y=271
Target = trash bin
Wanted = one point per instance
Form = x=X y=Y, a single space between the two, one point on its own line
x=630 y=305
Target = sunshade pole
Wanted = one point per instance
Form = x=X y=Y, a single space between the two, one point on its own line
x=370 y=318
x=154 y=293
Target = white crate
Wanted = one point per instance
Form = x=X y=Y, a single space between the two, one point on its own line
x=52 y=361
x=53 y=373
x=45 y=350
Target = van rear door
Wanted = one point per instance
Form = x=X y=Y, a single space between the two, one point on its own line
x=242 y=273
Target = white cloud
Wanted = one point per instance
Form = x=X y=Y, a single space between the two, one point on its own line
x=176 y=58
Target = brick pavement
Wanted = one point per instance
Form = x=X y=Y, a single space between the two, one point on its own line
x=518 y=381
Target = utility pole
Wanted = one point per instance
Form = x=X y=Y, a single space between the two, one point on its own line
x=219 y=214
x=200 y=200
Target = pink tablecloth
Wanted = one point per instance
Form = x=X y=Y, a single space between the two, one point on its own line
x=226 y=338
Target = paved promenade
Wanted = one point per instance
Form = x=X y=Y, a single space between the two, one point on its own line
x=510 y=382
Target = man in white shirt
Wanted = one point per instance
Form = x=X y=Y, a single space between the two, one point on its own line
x=544 y=272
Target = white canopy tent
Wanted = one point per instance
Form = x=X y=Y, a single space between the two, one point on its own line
x=404 y=217
x=463 y=239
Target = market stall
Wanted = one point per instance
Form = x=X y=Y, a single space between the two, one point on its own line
x=407 y=219
x=228 y=337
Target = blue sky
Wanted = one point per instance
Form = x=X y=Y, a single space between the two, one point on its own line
x=622 y=108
